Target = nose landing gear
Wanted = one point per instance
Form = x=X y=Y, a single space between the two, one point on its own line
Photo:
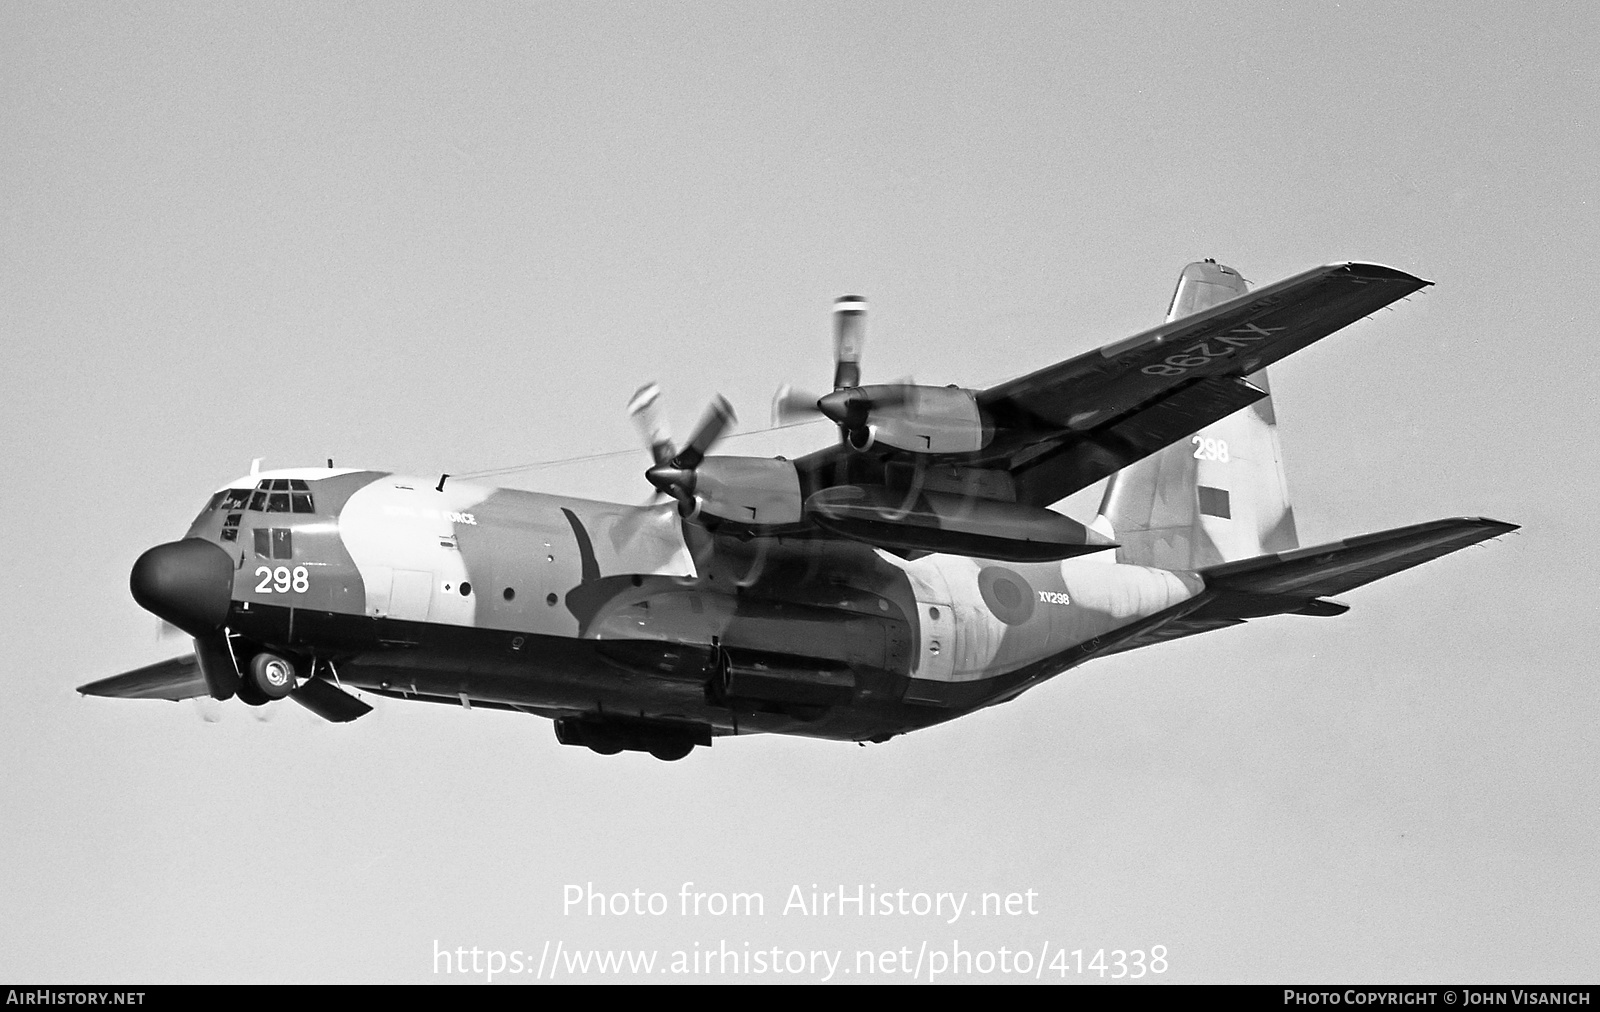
x=268 y=677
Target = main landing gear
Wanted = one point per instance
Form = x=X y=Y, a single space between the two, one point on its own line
x=668 y=741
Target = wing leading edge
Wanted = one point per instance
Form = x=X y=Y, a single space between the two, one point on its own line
x=1067 y=426
x=1298 y=582
x=1064 y=427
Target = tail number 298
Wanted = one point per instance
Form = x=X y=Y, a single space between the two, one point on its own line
x=1210 y=449
x=282 y=580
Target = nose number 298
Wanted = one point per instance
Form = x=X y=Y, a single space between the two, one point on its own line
x=282 y=580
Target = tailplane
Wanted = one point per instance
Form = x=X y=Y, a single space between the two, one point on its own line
x=1300 y=582
x=1218 y=496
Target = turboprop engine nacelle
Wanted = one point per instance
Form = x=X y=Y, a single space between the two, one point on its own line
x=907 y=417
x=951 y=524
x=759 y=491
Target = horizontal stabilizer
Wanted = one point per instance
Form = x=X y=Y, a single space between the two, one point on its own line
x=1308 y=573
x=1296 y=583
x=179 y=678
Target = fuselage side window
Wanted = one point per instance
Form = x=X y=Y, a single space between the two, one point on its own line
x=282 y=543
x=263 y=538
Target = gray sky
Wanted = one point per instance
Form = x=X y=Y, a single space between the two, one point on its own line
x=455 y=238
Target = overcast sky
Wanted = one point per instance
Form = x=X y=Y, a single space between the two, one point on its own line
x=457 y=237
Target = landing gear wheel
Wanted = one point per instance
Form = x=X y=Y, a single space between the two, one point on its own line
x=270 y=675
x=250 y=695
x=672 y=753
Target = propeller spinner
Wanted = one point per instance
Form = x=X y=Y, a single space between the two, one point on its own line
x=674 y=470
x=850 y=404
x=849 y=339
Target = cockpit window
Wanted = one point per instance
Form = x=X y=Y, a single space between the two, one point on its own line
x=276 y=495
x=274 y=543
x=235 y=498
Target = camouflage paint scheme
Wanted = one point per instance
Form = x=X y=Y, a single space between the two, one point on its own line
x=607 y=612
x=634 y=627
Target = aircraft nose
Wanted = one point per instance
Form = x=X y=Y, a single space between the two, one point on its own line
x=189 y=583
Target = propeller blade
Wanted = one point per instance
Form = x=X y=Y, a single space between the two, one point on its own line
x=717 y=419
x=645 y=410
x=849 y=338
x=790 y=405
x=208 y=709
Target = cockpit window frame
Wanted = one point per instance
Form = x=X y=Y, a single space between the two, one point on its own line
x=275 y=495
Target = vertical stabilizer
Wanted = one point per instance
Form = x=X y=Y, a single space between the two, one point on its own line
x=1217 y=496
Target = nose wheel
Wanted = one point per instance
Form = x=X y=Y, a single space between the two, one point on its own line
x=269 y=677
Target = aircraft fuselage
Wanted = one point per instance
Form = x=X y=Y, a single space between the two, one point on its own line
x=463 y=593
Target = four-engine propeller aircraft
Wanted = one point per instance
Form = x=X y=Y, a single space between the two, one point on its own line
x=905 y=575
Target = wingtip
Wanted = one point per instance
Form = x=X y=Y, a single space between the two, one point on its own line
x=1370 y=271
x=1498 y=526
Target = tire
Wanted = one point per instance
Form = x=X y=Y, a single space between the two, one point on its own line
x=249 y=694
x=672 y=753
x=272 y=676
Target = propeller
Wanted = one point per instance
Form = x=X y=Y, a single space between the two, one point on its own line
x=850 y=404
x=673 y=473
x=850 y=407
x=791 y=405
x=645 y=410
x=849 y=339
x=209 y=710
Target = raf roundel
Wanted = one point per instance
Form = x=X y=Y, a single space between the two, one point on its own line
x=1007 y=594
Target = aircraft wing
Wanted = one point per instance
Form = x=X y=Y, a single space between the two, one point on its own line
x=1065 y=427
x=1062 y=428
x=178 y=678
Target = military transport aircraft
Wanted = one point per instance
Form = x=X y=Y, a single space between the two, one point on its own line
x=908 y=573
